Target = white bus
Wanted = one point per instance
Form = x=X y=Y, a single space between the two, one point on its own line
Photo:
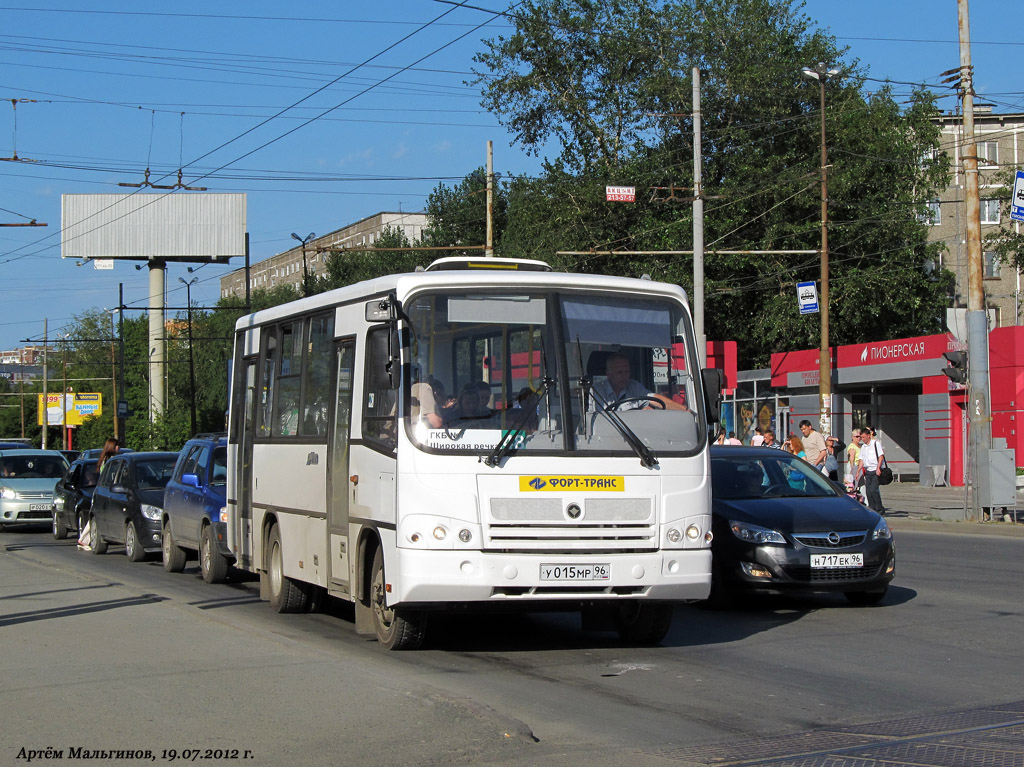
x=361 y=465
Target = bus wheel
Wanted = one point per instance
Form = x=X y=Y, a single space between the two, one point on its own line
x=396 y=629
x=211 y=561
x=643 y=623
x=286 y=595
x=174 y=556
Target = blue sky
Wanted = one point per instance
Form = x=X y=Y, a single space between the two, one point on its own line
x=119 y=86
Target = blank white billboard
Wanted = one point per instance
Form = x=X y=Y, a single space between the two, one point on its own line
x=185 y=226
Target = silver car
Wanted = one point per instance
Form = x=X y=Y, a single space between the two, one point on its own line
x=27 y=478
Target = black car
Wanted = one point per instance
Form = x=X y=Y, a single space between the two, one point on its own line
x=128 y=502
x=72 y=497
x=780 y=525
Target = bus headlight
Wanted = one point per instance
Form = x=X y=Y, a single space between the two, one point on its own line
x=440 y=533
x=673 y=535
x=465 y=535
x=693 y=532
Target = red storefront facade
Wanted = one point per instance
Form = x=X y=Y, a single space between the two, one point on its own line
x=875 y=384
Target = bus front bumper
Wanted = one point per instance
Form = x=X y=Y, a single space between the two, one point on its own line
x=438 y=576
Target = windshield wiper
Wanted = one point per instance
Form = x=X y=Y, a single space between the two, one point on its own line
x=508 y=439
x=647 y=457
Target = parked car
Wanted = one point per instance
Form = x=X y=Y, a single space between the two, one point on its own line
x=780 y=526
x=26 y=485
x=94 y=452
x=71 y=455
x=195 y=515
x=128 y=501
x=72 y=497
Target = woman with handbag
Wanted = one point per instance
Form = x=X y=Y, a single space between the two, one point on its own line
x=872 y=457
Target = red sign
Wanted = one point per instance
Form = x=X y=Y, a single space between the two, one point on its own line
x=620 y=193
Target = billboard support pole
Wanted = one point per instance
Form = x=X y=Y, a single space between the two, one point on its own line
x=157 y=347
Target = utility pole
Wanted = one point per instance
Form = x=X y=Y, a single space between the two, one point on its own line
x=698 y=228
x=157 y=344
x=121 y=416
x=489 y=251
x=977 y=319
x=821 y=73
x=305 y=270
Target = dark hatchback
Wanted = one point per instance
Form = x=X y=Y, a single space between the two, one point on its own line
x=781 y=526
x=195 y=515
x=128 y=501
x=72 y=497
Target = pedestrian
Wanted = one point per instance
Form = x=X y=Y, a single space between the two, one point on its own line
x=814 y=444
x=110 y=447
x=720 y=439
x=795 y=445
x=769 y=440
x=831 y=466
x=870 y=464
x=852 y=456
x=758 y=439
x=732 y=439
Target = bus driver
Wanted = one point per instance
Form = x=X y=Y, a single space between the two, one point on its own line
x=619 y=386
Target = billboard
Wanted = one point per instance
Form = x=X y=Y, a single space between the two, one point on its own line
x=194 y=226
x=77 y=406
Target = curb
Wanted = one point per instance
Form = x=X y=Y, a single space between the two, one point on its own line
x=998 y=529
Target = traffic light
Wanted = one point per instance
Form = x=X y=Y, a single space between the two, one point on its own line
x=957 y=368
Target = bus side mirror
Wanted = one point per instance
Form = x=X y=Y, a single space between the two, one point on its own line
x=711 y=381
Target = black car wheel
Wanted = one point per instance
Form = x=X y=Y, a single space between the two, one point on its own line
x=60 y=532
x=132 y=545
x=99 y=546
x=211 y=561
x=643 y=623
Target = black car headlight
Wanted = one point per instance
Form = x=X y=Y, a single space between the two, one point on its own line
x=881 y=531
x=755 y=534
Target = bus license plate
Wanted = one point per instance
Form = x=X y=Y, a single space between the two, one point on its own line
x=39 y=507
x=590 y=572
x=837 y=560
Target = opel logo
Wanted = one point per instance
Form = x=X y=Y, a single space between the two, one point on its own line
x=574 y=511
x=833 y=538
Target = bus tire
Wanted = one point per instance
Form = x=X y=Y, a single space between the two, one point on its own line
x=286 y=595
x=211 y=561
x=643 y=623
x=99 y=546
x=396 y=629
x=174 y=555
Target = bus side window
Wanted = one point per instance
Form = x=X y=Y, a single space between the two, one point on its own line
x=380 y=404
x=266 y=394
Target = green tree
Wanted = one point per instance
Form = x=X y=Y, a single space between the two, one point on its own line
x=606 y=88
x=347 y=267
x=457 y=215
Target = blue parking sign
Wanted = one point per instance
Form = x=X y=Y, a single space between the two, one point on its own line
x=1017 y=201
x=807 y=295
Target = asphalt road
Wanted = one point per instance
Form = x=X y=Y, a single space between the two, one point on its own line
x=99 y=653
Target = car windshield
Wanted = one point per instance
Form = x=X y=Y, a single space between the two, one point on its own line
x=547 y=371
x=40 y=466
x=779 y=475
x=154 y=474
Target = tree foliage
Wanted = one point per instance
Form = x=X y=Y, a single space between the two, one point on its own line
x=605 y=88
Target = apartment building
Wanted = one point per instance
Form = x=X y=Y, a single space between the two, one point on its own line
x=286 y=268
x=1000 y=140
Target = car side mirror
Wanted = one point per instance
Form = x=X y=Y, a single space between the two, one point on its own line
x=118 y=489
x=711 y=381
x=192 y=480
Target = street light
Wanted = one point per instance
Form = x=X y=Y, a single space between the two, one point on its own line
x=821 y=73
x=191 y=360
x=305 y=270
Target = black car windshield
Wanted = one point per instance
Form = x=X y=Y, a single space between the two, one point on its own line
x=778 y=475
x=30 y=466
x=153 y=475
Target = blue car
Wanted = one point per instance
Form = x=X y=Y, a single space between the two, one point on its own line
x=195 y=513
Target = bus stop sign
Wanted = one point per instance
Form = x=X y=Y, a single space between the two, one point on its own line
x=1017 y=201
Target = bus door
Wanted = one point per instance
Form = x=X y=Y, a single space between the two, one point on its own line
x=338 y=476
x=243 y=527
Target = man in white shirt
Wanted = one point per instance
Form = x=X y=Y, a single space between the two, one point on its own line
x=619 y=387
x=870 y=463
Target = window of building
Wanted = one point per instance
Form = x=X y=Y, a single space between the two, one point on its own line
x=992 y=265
x=988 y=152
x=934 y=215
x=990 y=211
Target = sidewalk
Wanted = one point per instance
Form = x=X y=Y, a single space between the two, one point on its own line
x=942 y=509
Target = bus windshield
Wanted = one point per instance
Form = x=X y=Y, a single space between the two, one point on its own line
x=551 y=372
